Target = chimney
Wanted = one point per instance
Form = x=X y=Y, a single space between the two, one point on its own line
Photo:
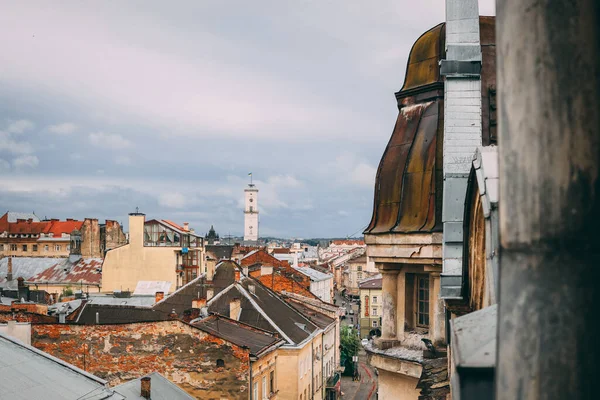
x=251 y=288
x=235 y=308
x=136 y=229
x=145 y=387
x=186 y=226
x=20 y=282
x=97 y=318
x=209 y=293
x=9 y=276
x=198 y=303
x=237 y=275
x=158 y=296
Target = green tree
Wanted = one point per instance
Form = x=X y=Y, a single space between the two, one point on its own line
x=350 y=344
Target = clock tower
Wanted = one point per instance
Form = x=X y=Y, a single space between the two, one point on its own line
x=251 y=213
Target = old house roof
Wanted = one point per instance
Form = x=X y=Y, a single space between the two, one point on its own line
x=219 y=252
x=24 y=267
x=161 y=389
x=280 y=250
x=12 y=216
x=85 y=271
x=28 y=373
x=279 y=283
x=116 y=314
x=314 y=275
x=259 y=256
x=348 y=242
x=371 y=283
x=263 y=308
x=408 y=184
x=238 y=333
x=317 y=318
x=57 y=228
x=25 y=227
x=181 y=299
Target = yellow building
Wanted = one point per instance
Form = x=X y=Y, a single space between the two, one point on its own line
x=371 y=307
x=306 y=360
x=158 y=250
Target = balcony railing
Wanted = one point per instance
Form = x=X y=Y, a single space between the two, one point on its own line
x=333 y=380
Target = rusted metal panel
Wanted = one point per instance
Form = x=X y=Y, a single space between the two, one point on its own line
x=408 y=187
x=424 y=57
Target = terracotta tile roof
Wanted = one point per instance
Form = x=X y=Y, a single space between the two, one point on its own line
x=173 y=224
x=57 y=228
x=85 y=271
x=279 y=283
x=25 y=227
x=281 y=251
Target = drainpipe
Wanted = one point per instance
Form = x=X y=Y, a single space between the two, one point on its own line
x=549 y=204
x=251 y=359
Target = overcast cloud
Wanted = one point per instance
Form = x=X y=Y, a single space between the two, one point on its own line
x=108 y=106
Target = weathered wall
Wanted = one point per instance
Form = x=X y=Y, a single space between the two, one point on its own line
x=17 y=330
x=112 y=235
x=24 y=316
x=183 y=354
x=395 y=386
x=262 y=369
x=90 y=238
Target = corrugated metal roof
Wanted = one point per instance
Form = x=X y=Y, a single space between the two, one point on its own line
x=161 y=389
x=28 y=373
x=25 y=267
x=86 y=271
x=313 y=274
x=14 y=216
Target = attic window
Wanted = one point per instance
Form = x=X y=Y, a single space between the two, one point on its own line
x=220 y=363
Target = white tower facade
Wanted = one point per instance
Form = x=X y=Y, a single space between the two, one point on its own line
x=251 y=213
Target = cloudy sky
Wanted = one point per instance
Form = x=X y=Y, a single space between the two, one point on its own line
x=105 y=106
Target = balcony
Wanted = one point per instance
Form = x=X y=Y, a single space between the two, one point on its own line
x=333 y=380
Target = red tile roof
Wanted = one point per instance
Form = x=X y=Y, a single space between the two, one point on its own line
x=279 y=283
x=27 y=227
x=57 y=228
x=282 y=250
x=173 y=224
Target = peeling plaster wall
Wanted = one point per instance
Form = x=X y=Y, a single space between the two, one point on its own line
x=185 y=355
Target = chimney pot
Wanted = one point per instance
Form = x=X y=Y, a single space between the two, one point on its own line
x=235 y=309
x=145 y=387
x=186 y=226
x=9 y=275
x=159 y=296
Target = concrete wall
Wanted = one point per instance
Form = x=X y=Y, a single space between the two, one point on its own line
x=126 y=265
x=397 y=387
x=185 y=355
x=17 y=330
x=112 y=235
x=295 y=369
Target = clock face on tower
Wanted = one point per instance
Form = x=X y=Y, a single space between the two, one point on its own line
x=251 y=200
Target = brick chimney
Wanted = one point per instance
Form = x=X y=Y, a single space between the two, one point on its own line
x=235 y=308
x=9 y=276
x=186 y=226
x=198 y=303
x=145 y=387
x=158 y=296
x=237 y=275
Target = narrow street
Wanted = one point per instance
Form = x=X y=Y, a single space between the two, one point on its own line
x=366 y=388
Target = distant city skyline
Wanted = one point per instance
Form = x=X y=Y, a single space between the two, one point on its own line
x=168 y=107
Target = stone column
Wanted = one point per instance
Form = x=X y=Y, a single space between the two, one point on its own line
x=437 y=311
x=549 y=174
x=400 y=304
x=389 y=288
